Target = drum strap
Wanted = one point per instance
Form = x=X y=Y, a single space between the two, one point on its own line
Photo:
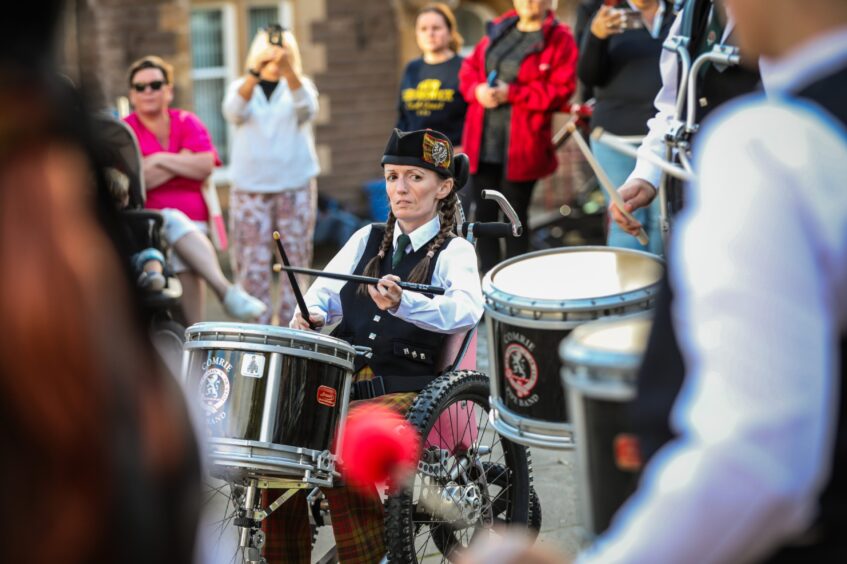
x=379 y=386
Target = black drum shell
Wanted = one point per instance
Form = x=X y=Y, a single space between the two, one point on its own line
x=546 y=399
x=309 y=400
x=609 y=486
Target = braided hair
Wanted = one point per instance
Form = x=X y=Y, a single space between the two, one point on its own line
x=447 y=215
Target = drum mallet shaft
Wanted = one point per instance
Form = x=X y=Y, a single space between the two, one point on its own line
x=298 y=295
x=604 y=179
x=411 y=286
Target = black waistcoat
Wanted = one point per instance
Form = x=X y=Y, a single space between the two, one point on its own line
x=399 y=348
x=662 y=372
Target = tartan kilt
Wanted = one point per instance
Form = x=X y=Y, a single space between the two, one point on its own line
x=357 y=516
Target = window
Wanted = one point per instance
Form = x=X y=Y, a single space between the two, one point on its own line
x=471 y=18
x=211 y=64
x=259 y=16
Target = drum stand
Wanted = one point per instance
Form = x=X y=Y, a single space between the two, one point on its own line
x=249 y=515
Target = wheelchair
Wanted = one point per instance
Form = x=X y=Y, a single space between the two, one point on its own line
x=469 y=480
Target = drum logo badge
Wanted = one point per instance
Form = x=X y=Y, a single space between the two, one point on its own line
x=436 y=151
x=214 y=390
x=521 y=369
x=327 y=396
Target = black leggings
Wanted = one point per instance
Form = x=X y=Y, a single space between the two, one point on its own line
x=519 y=194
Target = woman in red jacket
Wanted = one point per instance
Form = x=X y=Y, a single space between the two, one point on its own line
x=521 y=72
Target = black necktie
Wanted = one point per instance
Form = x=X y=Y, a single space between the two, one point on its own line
x=403 y=241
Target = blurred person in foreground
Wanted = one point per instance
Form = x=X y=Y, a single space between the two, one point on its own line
x=706 y=23
x=274 y=165
x=619 y=61
x=758 y=469
x=94 y=432
x=520 y=73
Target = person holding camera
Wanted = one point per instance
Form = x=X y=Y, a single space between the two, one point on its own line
x=273 y=164
x=619 y=61
x=520 y=73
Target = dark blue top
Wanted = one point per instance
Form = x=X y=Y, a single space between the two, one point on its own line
x=430 y=98
x=623 y=72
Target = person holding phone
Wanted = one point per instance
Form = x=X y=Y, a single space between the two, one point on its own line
x=619 y=60
x=508 y=126
x=273 y=165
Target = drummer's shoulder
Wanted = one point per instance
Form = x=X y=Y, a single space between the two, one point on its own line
x=459 y=245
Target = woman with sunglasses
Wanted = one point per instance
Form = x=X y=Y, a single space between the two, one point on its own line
x=273 y=164
x=178 y=156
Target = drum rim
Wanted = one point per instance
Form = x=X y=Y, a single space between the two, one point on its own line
x=575 y=354
x=499 y=300
x=344 y=350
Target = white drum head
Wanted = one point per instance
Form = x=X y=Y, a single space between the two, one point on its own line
x=621 y=337
x=578 y=274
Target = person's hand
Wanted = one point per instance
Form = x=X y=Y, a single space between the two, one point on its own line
x=636 y=193
x=299 y=322
x=510 y=547
x=607 y=22
x=386 y=294
x=486 y=97
x=501 y=92
x=266 y=56
x=284 y=61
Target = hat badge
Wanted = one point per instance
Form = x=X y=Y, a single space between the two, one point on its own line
x=436 y=151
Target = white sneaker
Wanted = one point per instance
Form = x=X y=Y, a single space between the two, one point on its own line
x=241 y=305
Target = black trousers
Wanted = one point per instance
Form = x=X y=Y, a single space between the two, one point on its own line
x=492 y=176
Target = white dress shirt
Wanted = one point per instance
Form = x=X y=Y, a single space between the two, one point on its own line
x=459 y=309
x=273 y=148
x=760 y=272
x=665 y=103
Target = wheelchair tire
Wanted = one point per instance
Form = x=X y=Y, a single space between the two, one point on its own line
x=409 y=510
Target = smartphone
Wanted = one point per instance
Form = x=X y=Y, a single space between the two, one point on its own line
x=631 y=19
x=275 y=34
x=492 y=79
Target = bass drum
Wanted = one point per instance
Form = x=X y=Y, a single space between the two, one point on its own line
x=271 y=399
x=534 y=301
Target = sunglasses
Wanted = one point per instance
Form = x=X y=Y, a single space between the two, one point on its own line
x=156 y=85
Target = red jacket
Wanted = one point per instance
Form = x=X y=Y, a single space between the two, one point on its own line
x=545 y=82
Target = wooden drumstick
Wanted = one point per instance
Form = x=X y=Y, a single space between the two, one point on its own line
x=411 y=286
x=298 y=295
x=605 y=183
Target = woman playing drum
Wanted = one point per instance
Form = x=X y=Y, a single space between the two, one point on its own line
x=404 y=330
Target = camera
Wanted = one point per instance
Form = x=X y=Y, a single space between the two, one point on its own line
x=275 y=34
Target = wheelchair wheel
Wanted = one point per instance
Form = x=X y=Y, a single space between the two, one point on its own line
x=469 y=480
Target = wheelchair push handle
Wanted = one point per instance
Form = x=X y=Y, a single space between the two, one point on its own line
x=506 y=208
x=491 y=229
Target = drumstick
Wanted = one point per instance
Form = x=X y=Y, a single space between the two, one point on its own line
x=298 y=295
x=411 y=286
x=604 y=180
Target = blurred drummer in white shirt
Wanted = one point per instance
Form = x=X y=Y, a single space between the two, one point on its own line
x=756 y=472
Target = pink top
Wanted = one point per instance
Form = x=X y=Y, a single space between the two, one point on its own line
x=187 y=132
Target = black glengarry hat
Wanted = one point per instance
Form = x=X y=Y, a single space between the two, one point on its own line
x=425 y=148
x=428 y=149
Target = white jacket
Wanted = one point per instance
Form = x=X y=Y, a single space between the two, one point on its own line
x=273 y=148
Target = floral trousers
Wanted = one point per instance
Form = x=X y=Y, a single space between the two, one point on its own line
x=253 y=219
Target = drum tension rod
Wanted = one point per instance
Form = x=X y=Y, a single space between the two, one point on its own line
x=262 y=513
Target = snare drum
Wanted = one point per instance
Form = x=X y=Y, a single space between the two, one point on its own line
x=532 y=302
x=600 y=364
x=271 y=398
